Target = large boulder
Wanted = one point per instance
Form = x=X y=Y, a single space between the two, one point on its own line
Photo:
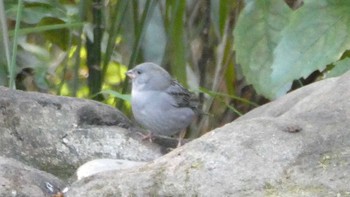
x=298 y=145
x=17 y=179
x=58 y=134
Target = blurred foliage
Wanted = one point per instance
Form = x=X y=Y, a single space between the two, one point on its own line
x=276 y=45
x=216 y=48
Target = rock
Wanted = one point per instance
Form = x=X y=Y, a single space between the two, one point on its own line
x=17 y=179
x=102 y=165
x=58 y=134
x=298 y=145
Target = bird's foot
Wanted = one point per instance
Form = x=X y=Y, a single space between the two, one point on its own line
x=180 y=138
x=148 y=137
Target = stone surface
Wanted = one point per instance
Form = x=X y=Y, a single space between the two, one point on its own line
x=298 y=145
x=102 y=165
x=17 y=179
x=58 y=134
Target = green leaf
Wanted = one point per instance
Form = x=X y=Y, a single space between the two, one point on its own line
x=5 y=54
x=59 y=37
x=33 y=14
x=42 y=28
x=177 y=43
x=256 y=35
x=125 y=97
x=341 y=67
x=317 y=35
x=12 y=67
x=218 y=94
x=42 y=2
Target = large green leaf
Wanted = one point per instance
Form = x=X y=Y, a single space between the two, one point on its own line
x=317 y=35
x=341 y=67
x=256 y=35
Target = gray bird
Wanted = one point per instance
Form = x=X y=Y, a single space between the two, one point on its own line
x=159 y=103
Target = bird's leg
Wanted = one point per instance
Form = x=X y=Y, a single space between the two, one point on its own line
x=181 y=137
x=148 y=137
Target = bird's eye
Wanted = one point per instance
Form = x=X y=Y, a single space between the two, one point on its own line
x=138 y=72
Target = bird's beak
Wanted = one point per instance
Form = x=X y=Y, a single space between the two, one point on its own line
x=131 y=74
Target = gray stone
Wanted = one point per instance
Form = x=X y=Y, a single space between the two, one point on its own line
x=298 y=145
x=58 y=134
x=17 y=179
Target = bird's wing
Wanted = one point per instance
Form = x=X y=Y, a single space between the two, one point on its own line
x=182 y=97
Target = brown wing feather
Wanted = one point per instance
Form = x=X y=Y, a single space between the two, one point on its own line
x=182 y=96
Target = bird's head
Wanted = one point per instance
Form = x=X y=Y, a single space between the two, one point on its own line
x=149 y=76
